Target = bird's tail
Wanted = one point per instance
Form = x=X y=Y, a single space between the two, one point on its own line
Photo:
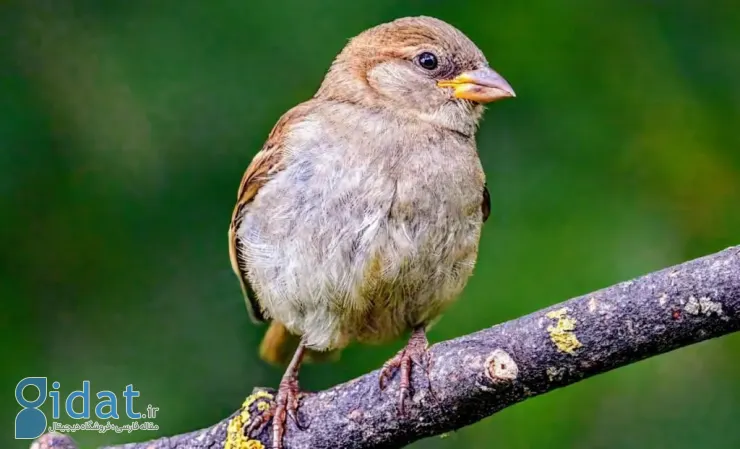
x=278 y=346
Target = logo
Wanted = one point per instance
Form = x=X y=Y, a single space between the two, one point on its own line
x=31 y=422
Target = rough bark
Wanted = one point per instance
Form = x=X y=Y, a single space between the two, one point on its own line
x=477 y=375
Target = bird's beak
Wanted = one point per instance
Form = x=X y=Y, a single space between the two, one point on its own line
x=482 y=86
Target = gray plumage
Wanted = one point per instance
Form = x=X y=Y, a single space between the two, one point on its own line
x=370 y=229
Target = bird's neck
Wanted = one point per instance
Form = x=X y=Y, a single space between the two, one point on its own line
x=452 y=117
x=447 y=118
x=345 y=84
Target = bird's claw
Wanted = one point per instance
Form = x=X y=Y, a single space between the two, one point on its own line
x=292 y=407
x=415 y=353
x=286 y=404
x=258 y=423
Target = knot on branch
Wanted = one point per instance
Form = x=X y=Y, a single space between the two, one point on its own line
x=500 y=367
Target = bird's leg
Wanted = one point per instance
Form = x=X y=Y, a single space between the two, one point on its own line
x=415 y=353
x=287 y=399
x=286 y=403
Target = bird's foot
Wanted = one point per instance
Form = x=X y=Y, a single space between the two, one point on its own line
x=284 y=405
x=415 y=353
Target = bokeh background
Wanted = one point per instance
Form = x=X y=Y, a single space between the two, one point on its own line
x=125 y=128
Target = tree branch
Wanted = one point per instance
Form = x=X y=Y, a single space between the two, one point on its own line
x=477 y=375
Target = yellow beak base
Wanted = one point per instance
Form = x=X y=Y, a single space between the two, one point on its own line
x=481 y=86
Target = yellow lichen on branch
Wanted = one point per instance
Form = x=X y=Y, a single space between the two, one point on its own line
x=235 y=433
x=562 y=333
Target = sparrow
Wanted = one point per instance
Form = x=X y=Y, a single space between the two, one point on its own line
x=360 y=218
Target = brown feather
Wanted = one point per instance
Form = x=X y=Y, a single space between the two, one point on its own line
x=264 y=165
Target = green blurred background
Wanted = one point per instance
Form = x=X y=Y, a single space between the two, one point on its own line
x=126 y=126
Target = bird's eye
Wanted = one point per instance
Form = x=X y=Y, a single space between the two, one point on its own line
x=427 y=60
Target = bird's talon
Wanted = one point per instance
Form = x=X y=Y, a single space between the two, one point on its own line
x=293 y=411
x=258 y=424
x=414 y=354
x=298 y=423
x=419 y=361
x=386 y=372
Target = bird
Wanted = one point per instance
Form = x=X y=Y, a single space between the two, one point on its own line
x=360 y=218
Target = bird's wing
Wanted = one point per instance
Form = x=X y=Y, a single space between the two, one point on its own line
x=269 y=161
x=486 y=204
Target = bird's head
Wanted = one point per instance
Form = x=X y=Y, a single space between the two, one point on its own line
x=418 y=66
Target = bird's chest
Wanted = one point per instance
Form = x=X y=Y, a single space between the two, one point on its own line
x=426 y=250
x=436 y=209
